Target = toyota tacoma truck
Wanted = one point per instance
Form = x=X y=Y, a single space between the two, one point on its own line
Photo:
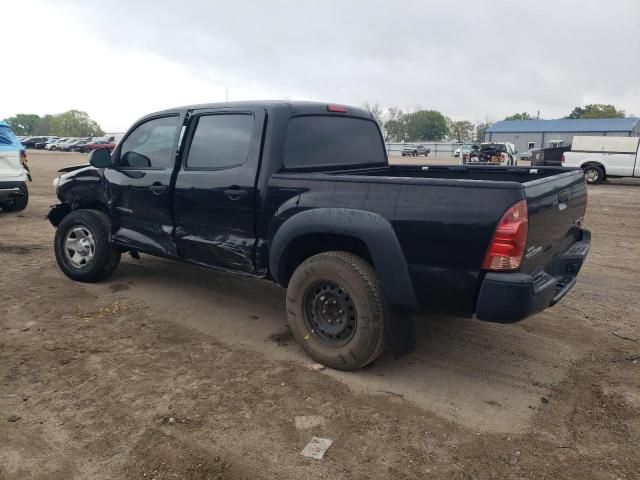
x=302 y=194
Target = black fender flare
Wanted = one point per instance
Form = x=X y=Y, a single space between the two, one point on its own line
x=372 y=229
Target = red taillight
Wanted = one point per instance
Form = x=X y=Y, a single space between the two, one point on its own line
x=509 y=239
x=23 y=158
x=337 y=108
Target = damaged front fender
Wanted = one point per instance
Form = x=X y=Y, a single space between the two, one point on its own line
x=58 y=212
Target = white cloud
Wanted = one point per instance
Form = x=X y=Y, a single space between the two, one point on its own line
x=121 y=59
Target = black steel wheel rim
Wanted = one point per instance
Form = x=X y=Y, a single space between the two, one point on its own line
x=330 y=313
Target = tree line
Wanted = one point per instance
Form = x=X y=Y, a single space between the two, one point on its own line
x=396 y=125
x=72 y=123
x=433 y=126
x=591 y=111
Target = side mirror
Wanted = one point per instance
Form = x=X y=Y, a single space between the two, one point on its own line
x=100 y=158
x=135 y=160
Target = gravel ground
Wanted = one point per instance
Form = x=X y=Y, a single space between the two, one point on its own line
x=173 y=371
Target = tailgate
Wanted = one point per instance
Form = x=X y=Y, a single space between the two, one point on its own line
x=556 y=207
x=10 y=165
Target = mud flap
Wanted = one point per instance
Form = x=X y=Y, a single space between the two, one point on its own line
x=399 y=331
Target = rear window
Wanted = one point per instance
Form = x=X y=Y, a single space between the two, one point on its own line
x=325 y=140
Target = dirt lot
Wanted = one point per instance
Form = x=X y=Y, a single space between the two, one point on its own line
x=171 y=371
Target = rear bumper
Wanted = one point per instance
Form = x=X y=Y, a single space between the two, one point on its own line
x=510 y=297
x=11 y=190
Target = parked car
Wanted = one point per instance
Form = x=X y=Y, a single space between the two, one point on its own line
x=415 y=150
x=113 y=137
x=30 y=142
x=71 y=146
x=527 y=154
x=51 y=145
x=41 y=145
x=89 y=145
x=603 y=157
x=464 y=149
x=59 y=146
x=14 y=172
x=96 y=144
x=310 y=201
x=493 y=153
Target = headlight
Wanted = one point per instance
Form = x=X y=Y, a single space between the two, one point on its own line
x=56 y=181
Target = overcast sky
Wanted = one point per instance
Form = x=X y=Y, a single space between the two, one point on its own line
x=473 y=60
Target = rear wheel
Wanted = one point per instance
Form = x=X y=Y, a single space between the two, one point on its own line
x=593 y=174
x=82 y=246
x=17 y=204
x=335 y=310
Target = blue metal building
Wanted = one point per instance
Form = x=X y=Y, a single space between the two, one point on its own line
x=526 y=134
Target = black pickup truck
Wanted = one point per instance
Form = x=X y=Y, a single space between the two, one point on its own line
x=302 y=194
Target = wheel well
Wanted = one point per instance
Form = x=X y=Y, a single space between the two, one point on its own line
x=307 y=246
x=56 y=215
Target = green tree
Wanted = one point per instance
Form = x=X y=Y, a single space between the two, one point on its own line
x=376 y=112
x=426 y=125
x=23 y=123
x=519 y=116
x=74 y=123
x=43 y=125
x=461 y=130
x=394 y=125
x=596 y=110
x=480 y=129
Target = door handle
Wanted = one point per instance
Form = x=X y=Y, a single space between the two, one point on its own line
x=236 y=193
x=157 y=188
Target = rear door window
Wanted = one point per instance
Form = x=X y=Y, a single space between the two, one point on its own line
x=220 y=141
x=332 y=141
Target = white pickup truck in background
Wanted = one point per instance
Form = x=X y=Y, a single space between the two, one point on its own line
x=602 y=157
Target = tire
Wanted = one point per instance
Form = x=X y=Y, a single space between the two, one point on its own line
x=593 y=174
x=415 y=154
x=101 y=258
x=17 y=204
x=315 y=286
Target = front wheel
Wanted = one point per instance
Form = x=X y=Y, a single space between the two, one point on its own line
x=593 y=174
x=335 y=310
x=82 y=247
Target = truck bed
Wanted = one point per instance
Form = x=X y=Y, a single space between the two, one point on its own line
x=444 y=216
x=464 y=172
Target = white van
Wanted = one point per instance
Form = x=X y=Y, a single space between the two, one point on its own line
x=14 y=172
x=602 y=157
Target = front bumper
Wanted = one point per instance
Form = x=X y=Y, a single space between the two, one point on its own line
x=510 y=297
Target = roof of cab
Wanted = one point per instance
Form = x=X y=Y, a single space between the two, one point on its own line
x=295 y=107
